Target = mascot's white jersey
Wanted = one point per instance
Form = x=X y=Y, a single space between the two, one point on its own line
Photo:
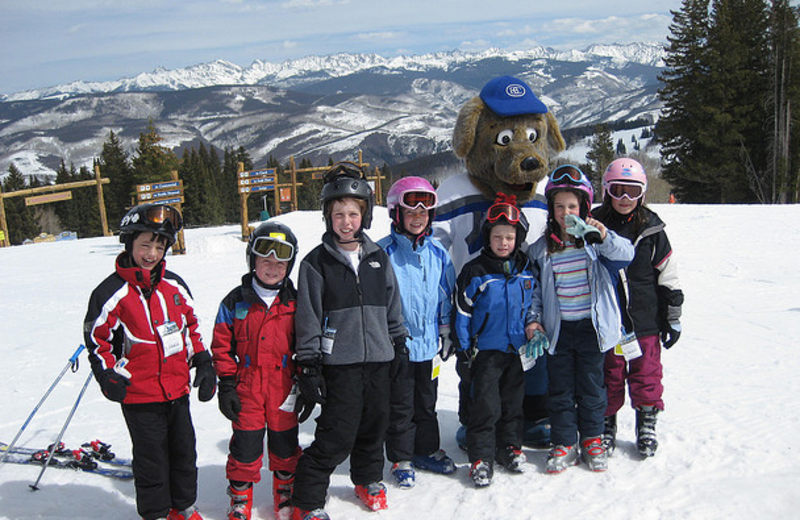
x=460 y=214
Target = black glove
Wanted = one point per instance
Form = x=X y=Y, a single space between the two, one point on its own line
x=310 y=390
x=670 y=334
x=400 y=362
x=229 y=403
x=204 y=376
x=113 y=385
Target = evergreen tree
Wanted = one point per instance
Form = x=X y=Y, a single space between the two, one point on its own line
x=229 y=186
x=683 y=151
x=621 y=149
x=600 y=154
x=119 y=192
x=153 y=162
x=20 y=218
x=84 y=206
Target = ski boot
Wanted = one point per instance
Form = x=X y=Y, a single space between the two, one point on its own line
x=511 y=458
x=282 y=486
x=594 y=455
x=560 y=458
x=316 y=514
x=190 y=513
x=609 y=437
x=241 y=494
x=437 y=462
x=403 y=473
x=646 y=440
x=373 y=495
x=482 y=472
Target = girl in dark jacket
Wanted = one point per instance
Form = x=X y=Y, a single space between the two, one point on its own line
x=650 y=300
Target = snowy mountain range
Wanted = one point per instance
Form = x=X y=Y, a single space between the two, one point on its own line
x=393 y=109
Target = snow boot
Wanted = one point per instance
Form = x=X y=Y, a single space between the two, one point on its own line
x=241 y=501
x=403 y=473
x=511 y=458
x=646 y=440
x=537 y=434
x=482 y=472
x=316 y=514
x=373 y=495
x=437 y=462
x=594 y=455
x=560 y=458
x=190 y=513
x=609 y=437
x=282 y=486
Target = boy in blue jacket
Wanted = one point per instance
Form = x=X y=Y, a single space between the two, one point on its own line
x=425 y=277
x=493 y=295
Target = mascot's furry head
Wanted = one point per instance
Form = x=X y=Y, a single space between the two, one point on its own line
x=506 y=137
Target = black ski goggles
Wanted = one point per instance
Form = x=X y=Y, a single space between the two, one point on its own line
x=276 y=245
x=343 y=169
x=161 y=214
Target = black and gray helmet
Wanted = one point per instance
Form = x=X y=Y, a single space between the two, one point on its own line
x=161 y=219
x=346 y=179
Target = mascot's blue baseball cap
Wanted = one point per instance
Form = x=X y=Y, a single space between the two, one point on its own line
x=509 y=96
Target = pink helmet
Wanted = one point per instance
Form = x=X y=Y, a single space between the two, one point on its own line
x=410 y=193
x=627 y=172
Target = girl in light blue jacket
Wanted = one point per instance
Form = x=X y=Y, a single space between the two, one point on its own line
x=425 y=278
x=575 y=305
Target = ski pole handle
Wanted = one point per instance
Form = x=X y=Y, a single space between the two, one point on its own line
x=74 y=357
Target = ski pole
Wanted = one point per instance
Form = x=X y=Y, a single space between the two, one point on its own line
x=73 y=362
x=34 y=486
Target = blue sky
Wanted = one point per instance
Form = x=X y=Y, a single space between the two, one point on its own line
x=50 y=42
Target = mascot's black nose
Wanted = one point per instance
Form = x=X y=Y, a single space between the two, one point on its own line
x=529 y=164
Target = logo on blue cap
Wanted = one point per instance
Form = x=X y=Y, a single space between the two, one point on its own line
x=509 y=96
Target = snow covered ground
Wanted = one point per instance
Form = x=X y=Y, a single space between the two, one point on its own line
x=729 y=435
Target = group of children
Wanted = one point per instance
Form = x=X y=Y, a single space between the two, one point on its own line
x=364 y=334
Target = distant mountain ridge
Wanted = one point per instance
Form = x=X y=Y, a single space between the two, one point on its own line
x=393 y=109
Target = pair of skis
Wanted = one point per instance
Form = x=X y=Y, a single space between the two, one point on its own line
x=93 y=457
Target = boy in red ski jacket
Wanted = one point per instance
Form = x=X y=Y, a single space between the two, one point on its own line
x=253 y=346
x=142 y=336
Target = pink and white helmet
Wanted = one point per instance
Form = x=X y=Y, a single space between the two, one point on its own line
x=410 y=193
x=625 y=171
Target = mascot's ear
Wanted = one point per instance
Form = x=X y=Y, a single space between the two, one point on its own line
x=554 y=139
x=466 y=125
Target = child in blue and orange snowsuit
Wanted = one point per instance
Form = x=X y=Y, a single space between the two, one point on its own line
x=253 y=347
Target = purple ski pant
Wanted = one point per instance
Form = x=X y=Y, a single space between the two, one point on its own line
x=643 y=375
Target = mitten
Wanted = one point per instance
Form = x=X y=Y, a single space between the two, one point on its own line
x=113 y=385
x=400 y=362
x=448 y=346
x=310 y=390
x=204 y=376
x=229 y=403
x=578 y=228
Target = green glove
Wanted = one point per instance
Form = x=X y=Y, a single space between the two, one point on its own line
x=536 y=346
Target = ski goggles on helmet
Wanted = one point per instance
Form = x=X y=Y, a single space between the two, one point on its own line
x=617 y=190
x=275 y=244
x=504 y=210
x=162 y=214
x=343 y=169
x=415 y=199
x=567 y=174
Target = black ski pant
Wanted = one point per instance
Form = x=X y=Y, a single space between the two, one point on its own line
x=352 y=422
x=577 y=400
x=164 y=456
x=413 y=424
x=495 y=406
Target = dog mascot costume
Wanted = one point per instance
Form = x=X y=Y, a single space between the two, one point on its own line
x=506 y=137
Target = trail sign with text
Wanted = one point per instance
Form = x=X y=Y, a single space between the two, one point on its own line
x=257 y=180
x=165 y=192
